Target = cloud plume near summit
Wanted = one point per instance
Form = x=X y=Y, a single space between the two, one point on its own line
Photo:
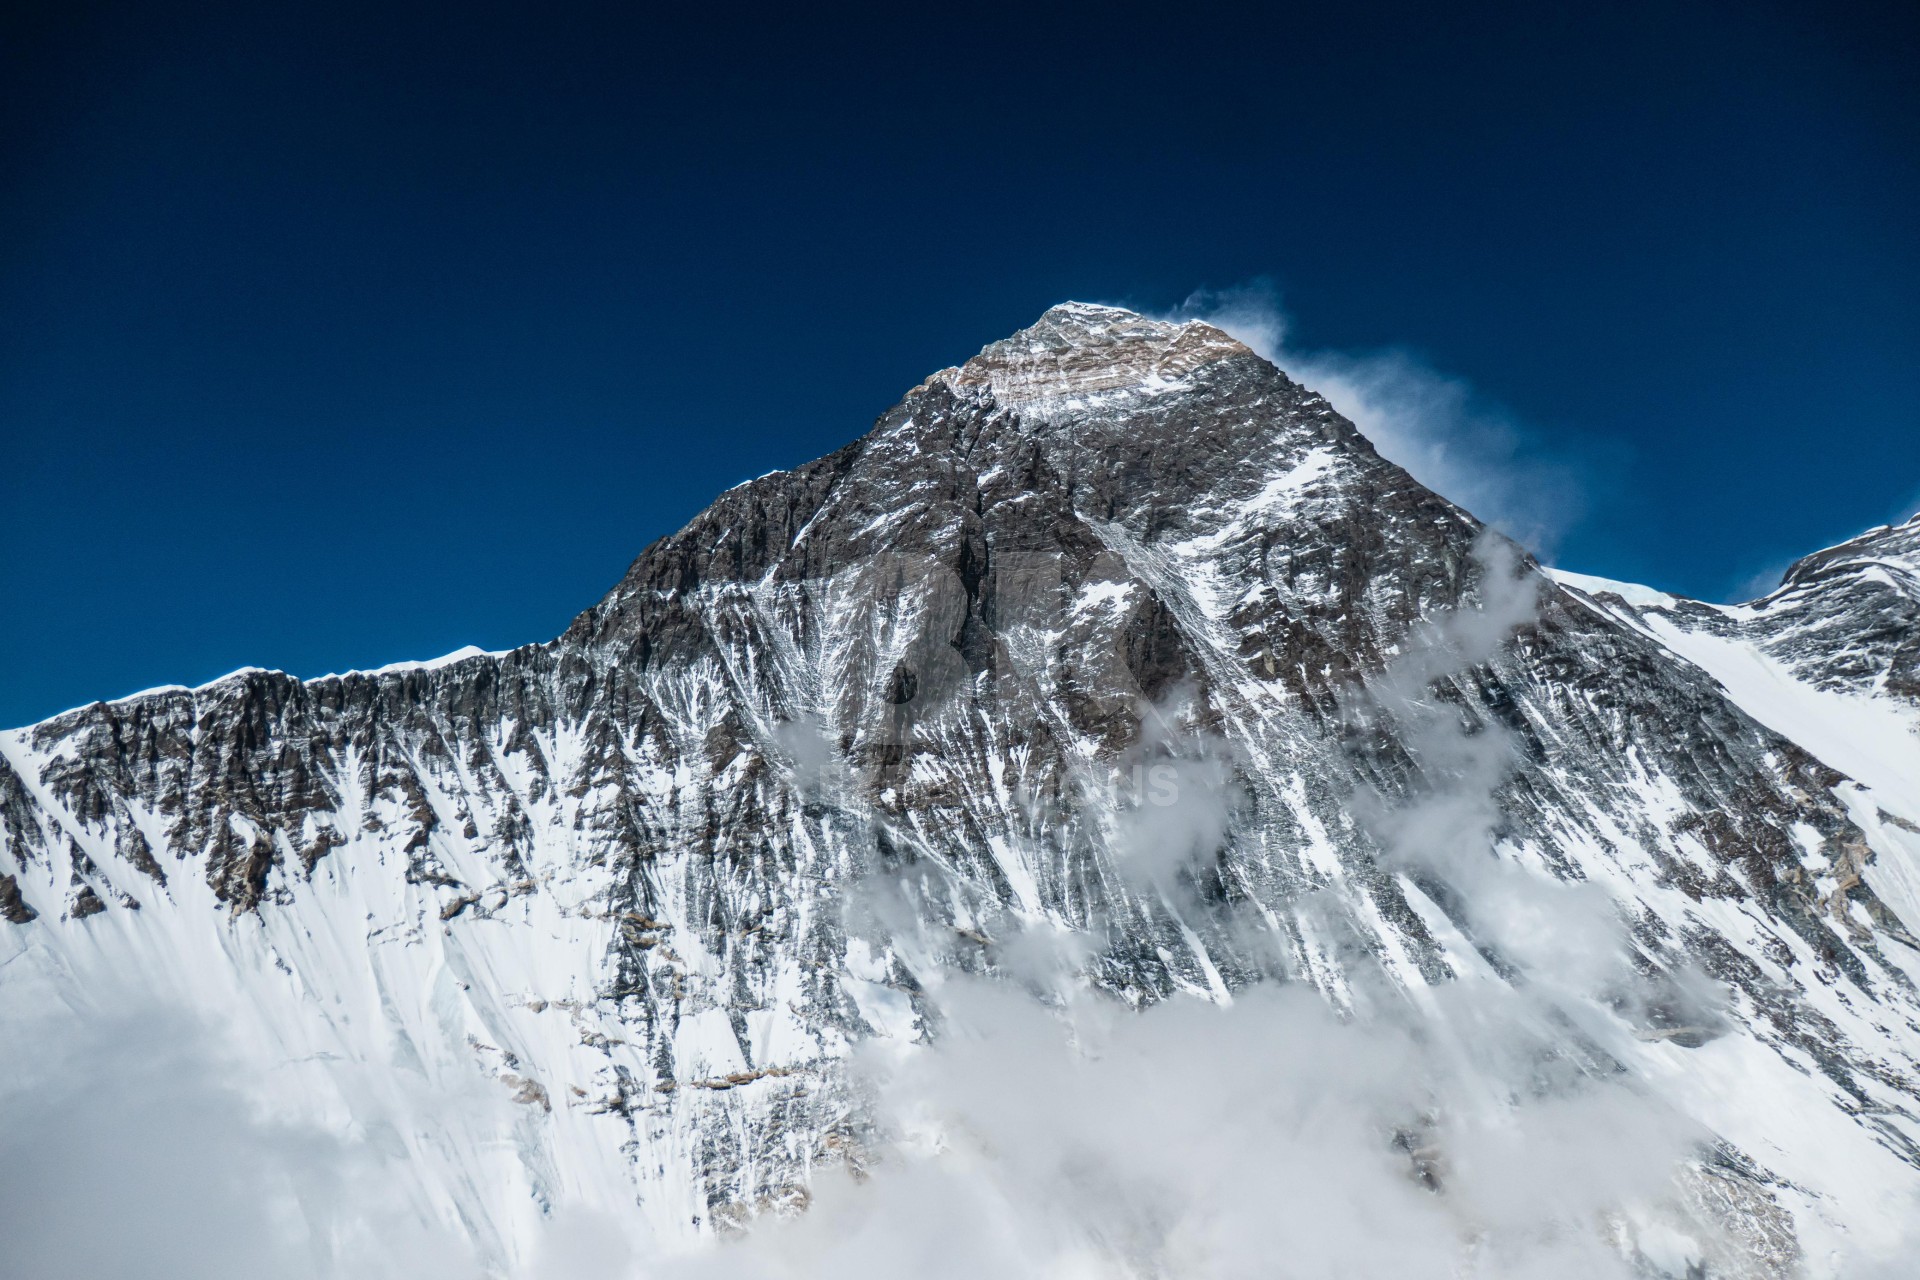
x=1432 y=423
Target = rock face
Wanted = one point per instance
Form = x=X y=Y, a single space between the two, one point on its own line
x=620 y=872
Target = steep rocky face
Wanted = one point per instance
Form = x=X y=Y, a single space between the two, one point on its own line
x=628 y=874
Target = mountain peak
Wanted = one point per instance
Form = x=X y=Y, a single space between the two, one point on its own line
x=1072 y=318
x=1081 y=351
x=1114 y=651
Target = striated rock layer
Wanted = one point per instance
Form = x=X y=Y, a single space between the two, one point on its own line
x=619 y=873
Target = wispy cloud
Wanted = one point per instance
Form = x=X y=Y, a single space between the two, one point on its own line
x=1434 y=424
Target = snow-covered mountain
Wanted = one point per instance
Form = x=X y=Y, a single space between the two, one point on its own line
x=1109 y=666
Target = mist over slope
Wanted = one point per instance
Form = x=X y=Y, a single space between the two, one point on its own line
x=1105 y=820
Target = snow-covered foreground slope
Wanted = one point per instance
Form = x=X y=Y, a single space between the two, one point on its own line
x=1107 y=809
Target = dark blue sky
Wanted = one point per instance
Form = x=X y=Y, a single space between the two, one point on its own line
x=330 y=337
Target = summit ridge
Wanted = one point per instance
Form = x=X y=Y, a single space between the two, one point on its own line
x=1078 y=351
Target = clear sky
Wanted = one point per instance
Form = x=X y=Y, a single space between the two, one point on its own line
x=330 y=337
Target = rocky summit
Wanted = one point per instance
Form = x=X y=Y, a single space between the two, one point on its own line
x=1113 y=637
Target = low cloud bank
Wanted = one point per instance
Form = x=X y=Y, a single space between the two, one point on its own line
x=125 y=1151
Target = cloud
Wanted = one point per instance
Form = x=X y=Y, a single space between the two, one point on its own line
x=1763 y=581
x=1171 y=808
x=1431 y=423
x=124 y=1151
